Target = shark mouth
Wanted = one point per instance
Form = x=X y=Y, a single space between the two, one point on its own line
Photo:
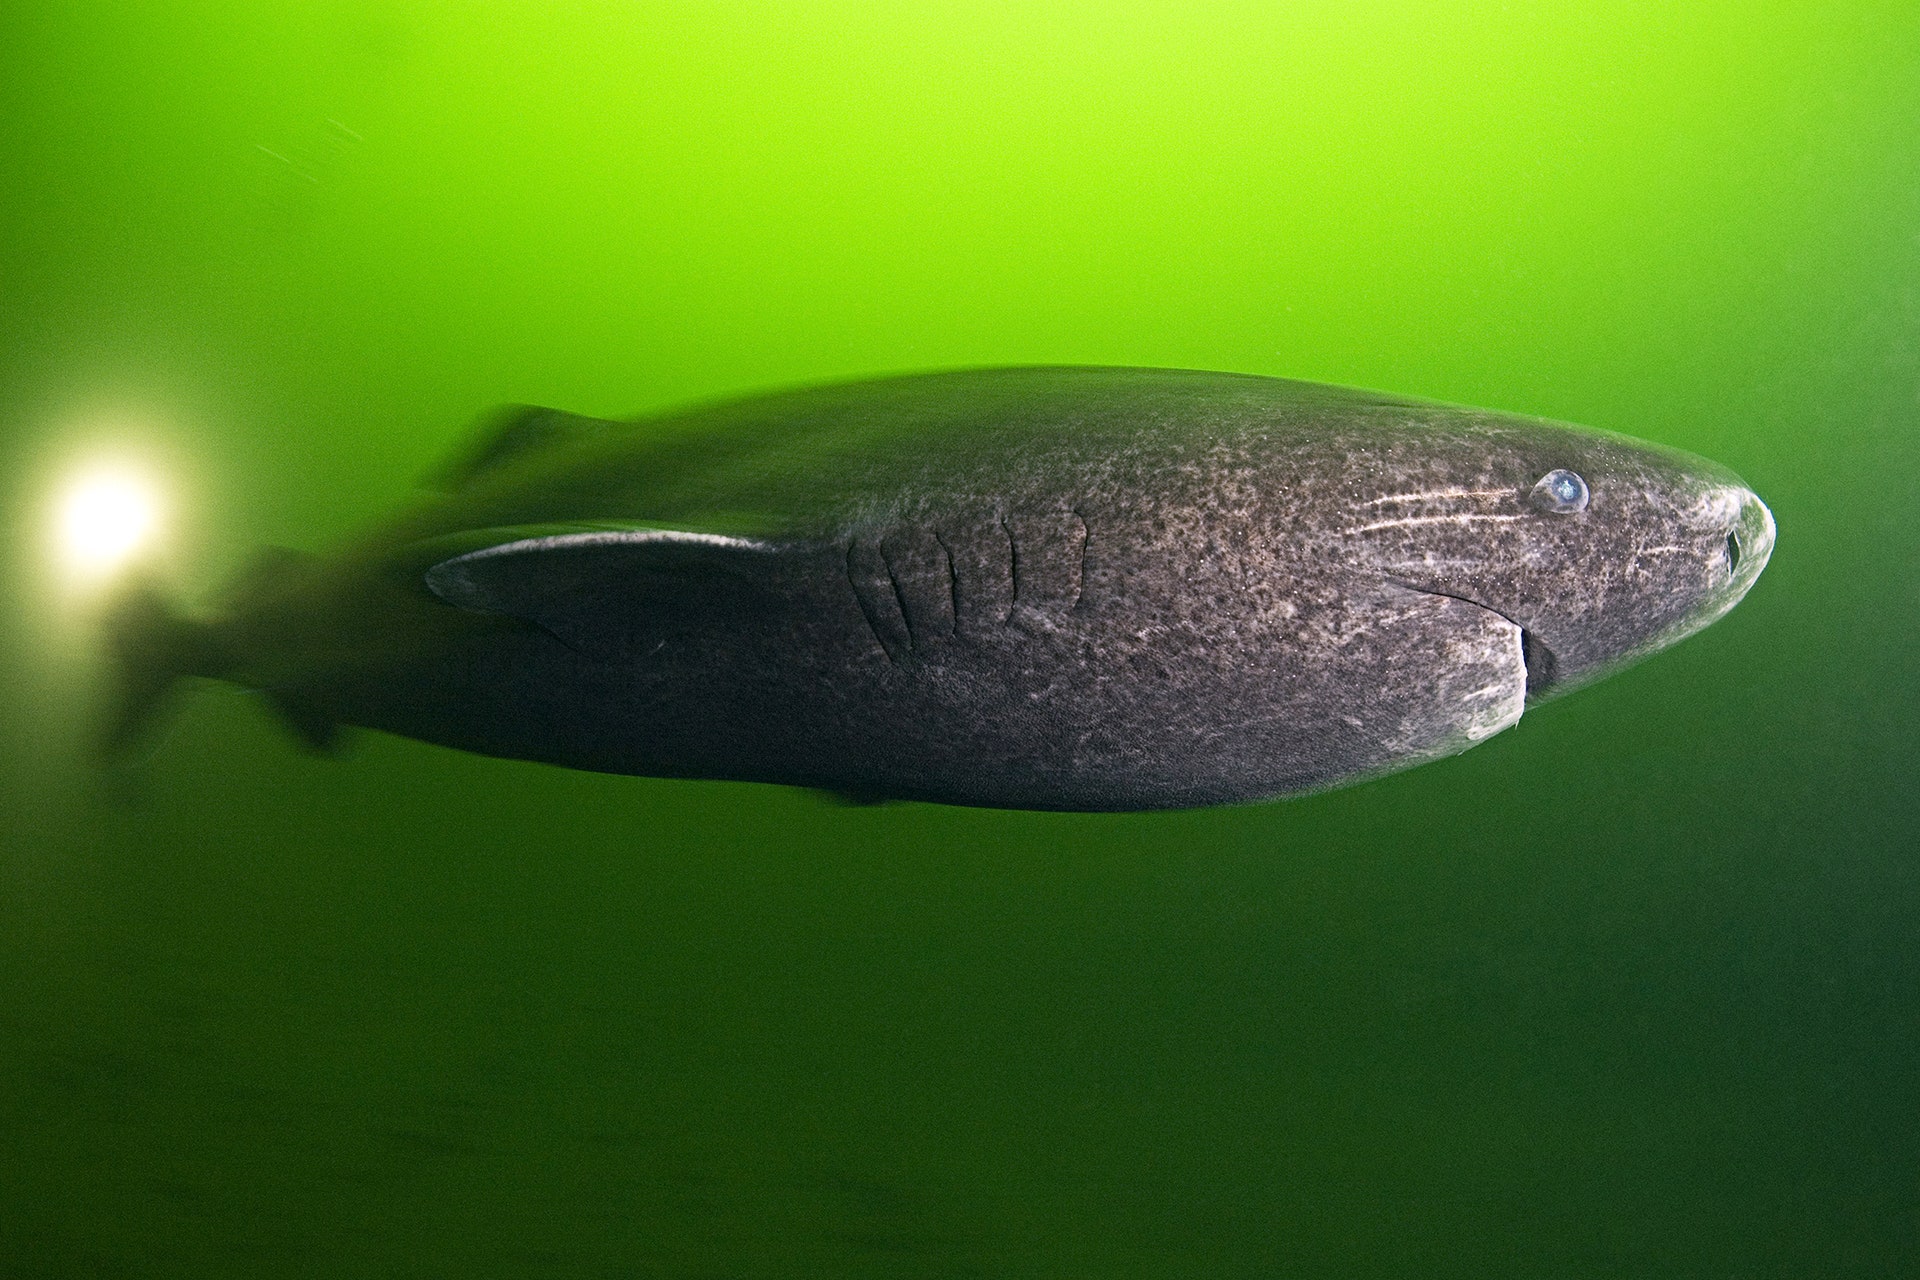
x=1543 y=667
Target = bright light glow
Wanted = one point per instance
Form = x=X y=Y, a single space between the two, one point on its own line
x=107 y=518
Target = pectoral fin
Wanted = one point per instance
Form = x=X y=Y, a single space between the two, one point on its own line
x=608 y=593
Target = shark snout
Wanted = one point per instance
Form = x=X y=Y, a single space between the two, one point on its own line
x=1749 y=539
x=1736 y=529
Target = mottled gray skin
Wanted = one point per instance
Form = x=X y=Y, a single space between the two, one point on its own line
x=1050 y=588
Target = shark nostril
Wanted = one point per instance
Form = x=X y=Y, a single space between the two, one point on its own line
x=1733 y=552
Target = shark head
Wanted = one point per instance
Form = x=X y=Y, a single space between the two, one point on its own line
x=1600 y=548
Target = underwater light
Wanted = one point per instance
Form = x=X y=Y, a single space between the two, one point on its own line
x=107 y=517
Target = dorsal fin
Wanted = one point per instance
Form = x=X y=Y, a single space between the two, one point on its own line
x=512 y=433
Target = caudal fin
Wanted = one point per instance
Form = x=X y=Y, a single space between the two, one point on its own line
x=149 y=648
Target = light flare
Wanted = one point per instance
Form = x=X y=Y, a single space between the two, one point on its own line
x=107 y=518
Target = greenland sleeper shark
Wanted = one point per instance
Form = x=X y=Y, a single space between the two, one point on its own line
x=1036 y=588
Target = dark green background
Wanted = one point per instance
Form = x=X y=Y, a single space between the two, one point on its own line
x=1631 y=990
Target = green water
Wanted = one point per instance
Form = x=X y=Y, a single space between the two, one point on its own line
x=1631 y=990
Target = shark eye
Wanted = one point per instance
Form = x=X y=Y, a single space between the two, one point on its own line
x=1560 y=492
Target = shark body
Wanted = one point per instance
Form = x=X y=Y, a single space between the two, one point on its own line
x=1039 y=588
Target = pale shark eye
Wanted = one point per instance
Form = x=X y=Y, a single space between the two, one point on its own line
x=1560 y=492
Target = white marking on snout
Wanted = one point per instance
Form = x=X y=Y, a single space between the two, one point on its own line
x=1459 y=517
x=1438 y=493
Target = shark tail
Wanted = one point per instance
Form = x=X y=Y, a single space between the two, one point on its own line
x=150 y=649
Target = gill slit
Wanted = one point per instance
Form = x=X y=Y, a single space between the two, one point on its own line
x=1080 y=562
x=867 y=611
x=899 y=598
x=953 y=579
x=1013 y=567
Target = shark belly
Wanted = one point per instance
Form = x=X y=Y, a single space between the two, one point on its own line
x=1035 y=659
